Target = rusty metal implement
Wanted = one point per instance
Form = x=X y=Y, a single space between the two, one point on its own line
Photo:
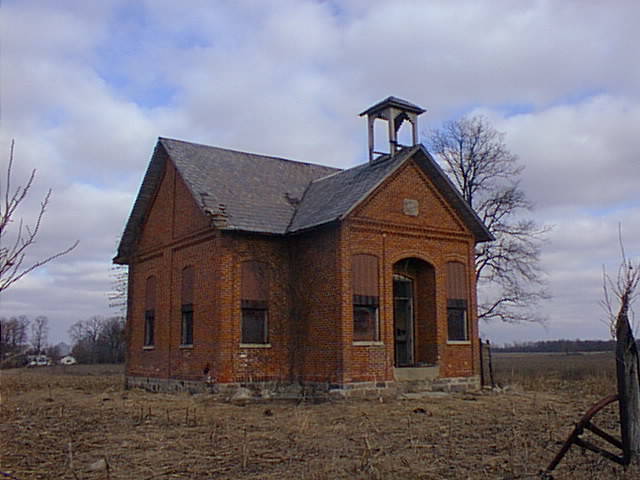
x=581 y=426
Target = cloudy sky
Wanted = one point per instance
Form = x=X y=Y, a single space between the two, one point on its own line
x=87 y=87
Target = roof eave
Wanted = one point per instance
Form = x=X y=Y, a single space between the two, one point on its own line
x=152 y=176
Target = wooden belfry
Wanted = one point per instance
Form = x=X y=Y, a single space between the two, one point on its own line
x=628 y=398
x=394 y=111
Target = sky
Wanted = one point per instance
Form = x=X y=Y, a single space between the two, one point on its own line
x=87 y=87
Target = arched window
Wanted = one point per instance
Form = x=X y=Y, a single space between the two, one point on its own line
x=186 y=324
x=457 y=313
x=254 y=298
x=150 y=312
x=366 y=300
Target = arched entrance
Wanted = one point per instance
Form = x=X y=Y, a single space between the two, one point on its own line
x=414 y=313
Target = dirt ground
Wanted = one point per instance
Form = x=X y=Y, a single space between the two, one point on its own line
x=79 y=423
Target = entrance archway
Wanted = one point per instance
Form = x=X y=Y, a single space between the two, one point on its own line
x=414 y=313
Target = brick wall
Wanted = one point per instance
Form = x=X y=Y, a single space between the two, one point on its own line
x=316 y=350
x=310 y=307
x=380 y=227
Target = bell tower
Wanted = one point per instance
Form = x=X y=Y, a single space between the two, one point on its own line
x=394 y=111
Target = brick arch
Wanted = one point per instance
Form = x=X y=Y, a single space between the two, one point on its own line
x=406 y=254
x=416 y=323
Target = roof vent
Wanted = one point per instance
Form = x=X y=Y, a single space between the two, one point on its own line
x=394 y=111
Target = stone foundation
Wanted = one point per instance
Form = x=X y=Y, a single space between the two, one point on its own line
x=260 y=391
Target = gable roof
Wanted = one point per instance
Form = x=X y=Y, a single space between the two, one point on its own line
x=332 y=197
x=335 y=196
x=258 y=193
x=272 y=195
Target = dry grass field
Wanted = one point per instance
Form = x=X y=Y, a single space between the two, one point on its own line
x=79 y=423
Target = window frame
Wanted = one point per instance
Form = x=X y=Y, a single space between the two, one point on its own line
x=251 y=308
x=363 y=300
x=149 y=328
x=257 y=308
x=457 y=308
x=187 y=315
x=374 y=310
x=186 y=325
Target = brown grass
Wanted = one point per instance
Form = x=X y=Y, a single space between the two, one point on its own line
x=73 y=425
x=590 y=373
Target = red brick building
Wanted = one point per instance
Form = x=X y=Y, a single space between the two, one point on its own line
x=264 y=272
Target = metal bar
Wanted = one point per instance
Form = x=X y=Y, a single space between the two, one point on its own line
x=574 y=437
x=563 y=451
x=597 y=407
x=594 y=448
x=606 y=436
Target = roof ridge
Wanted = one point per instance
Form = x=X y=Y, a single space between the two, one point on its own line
x=375 y=163
x=270 y=157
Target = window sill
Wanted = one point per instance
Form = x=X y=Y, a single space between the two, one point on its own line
x=255 y=345
x=458 y=342
x=149 y=347
x=367 y=343
x=186 y=347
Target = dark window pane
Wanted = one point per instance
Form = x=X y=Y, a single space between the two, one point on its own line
x=365 y=323
x=254 y=325
x=402 y=287
x=149 y=326
x=457 y=324
x=187 y=325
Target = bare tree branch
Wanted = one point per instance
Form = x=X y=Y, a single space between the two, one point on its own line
x=487 y=174
x=12 y=257
x=623 y=291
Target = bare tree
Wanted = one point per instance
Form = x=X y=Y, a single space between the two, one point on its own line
x=619 y=293
x=14 y=247
x=13 y=337
x=508 y=272
x=39 y=333
x=98 y=340
x=111 y=340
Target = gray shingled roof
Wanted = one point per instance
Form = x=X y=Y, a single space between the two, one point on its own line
x=331 y=197
x=394 y=102
x=259 y=193
x=276 y=196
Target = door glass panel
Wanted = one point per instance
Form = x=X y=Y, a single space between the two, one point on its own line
x=403 y=320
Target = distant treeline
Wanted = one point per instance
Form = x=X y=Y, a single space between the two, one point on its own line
x=558 y=346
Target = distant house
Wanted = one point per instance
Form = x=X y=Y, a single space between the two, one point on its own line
x=38 y=361
x=246 y=269
x=68 y=360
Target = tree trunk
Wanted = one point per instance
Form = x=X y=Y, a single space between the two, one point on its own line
x=628 y=372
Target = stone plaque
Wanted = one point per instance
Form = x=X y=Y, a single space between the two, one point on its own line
x=411 y=207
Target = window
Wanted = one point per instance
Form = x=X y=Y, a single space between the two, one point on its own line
x=150 y=312
x=254 y=302
x=457 y=318
x=186 y=324
x=366 y=302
